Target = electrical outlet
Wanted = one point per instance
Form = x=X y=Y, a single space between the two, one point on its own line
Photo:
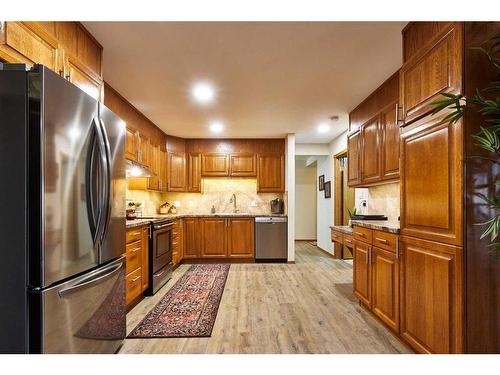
x=253 y=203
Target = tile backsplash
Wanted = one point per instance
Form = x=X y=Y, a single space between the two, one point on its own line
x=381 y=199
x=215 y=192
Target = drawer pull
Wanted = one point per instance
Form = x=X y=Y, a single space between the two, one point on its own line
x=383 y=240
x=346 y=240
x=360 y=234
x=136 y=234
x=135 y=279
x=135 y=250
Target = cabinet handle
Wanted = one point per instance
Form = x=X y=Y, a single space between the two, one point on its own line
x=397 y=114
x=383 y=240
x=346 y=240
x=360 y=234
x=135 y=279
x=397 y=248
x=367 y=258
x=135 y=250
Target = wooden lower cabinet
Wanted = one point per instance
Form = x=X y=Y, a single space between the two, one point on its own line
x=177 y=241
x=213 y=237
x=137 y=265
x=191 y=238
x=431 y=296
x=385 y=286
x=240 y=237
x=361 y=271
x=219 y=237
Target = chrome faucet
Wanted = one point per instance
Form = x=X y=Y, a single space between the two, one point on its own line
x=233 y=201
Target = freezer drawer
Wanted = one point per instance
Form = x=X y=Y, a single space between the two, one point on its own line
x=271 y=239
x=83 y=315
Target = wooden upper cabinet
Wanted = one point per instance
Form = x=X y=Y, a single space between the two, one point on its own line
x=131 y=144
x=242 y=165
x=194 y=172
x=29 y=43
x=270 y=173
x=163 y=170
x=431 y=296
x=389 y=149
x=435 y=68
x=144 y=155
x=385 y=286
x=353 y=159
x=240 y=239
x=81 y=76
x=213 y=237
x=432 y=181
x=176 y=171
x=361 y=271
x=154 y=182
x=191 y=236
x=370 y=155
x=214 y=164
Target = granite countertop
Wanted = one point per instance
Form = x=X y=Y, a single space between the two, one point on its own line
x=342 y=228
x=384 y=225
x=139 y=221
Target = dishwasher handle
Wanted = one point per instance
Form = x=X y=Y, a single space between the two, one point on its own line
x=270 y=219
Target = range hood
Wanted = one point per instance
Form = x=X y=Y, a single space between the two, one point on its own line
x=133 y=169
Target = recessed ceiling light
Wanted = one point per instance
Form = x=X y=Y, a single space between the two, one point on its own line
x=323 y=128
x=203 y=92
x=216 y=127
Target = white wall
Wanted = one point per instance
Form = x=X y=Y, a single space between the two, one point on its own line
x=305 y=200
x=312 y=149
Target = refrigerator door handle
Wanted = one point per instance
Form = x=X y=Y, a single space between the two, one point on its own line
x=107 y=180
x=104 y=183
x=91 y=280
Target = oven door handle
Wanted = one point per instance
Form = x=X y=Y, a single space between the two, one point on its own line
x=162 y=226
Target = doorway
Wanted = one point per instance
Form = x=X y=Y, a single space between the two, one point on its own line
x=344 y=199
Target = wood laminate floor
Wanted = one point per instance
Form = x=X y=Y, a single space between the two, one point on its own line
x=306 y=307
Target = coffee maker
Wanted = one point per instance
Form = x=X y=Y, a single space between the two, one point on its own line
x=277 y=206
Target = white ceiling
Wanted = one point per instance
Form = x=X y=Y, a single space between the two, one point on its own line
x=272 y=78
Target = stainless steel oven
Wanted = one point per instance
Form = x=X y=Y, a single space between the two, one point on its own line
x=160 y=254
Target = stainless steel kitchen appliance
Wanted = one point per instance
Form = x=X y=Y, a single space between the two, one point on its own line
x=160 y=254
x=62 y=275
x=277 y=206
x=271 y=239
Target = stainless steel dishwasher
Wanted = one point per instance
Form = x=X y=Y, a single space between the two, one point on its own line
x=271 y=239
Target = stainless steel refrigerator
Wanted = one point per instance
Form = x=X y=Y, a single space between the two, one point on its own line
x=62 y=225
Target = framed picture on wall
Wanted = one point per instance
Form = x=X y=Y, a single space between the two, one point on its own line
x=321 y=182
x=328 y=189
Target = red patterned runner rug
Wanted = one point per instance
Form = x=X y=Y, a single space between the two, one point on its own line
x=189 y=308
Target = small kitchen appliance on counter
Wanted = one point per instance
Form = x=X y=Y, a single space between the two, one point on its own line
x=277 y=206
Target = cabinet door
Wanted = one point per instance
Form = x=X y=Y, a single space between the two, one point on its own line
x=214 y=165
x=176 y=171
x=145 y=151
x=131 y=145
x=194 y=173
x=385 y=286
x=241 y=237
x=145 y=258
x=163 y=170
x=361 y=271
x=436 y=68
x=370 y=155
x=191 y=238
x=432 y=181
x=390 y=142
x=81 y=76
x=353 y=159
x=213 y=237
x=270 y=173
x=29 y=43
x=242 y=165
x=431 y=296
x=154 y=183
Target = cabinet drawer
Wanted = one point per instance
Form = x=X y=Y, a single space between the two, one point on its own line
x=134 y=256
x=348 y=240
x=385 y=240
x=337 y=237
x=363 y=234
x=134 y=285
x=133 y=235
